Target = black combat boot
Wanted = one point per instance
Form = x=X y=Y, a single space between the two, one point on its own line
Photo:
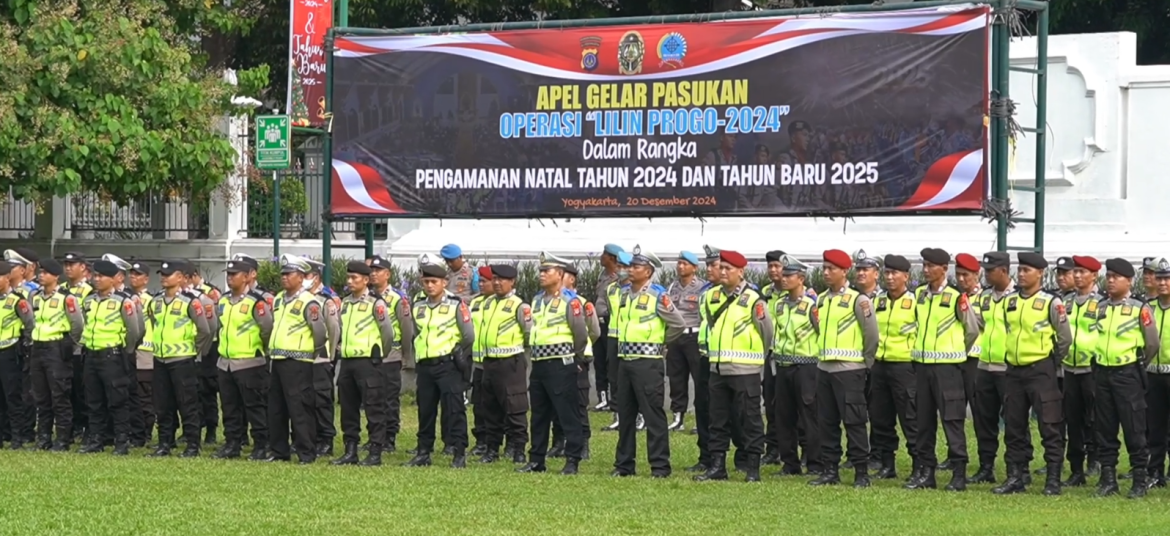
x=480 y=449
x=1052 y=479
x=1156 y=478
x=1107 y=483
x=93 y=446
x=1076 y=477
x=422 y=458
x=985 y=474
x=753 y=468
x=259 y=453
x=958 y=477
x=121 y=446
x=1015 y=480
x=533 y=467
x=230 y=449
x=570 y=466
x=459 y=459
x=351 y=455
x=1140 y=486
x=192 y=450
x=860 y=476
x=374 y=458
x=325 y=449
x=518 y=455
x=915 y=471
x=772 y=457
x=925 y=479
x=44 y=442
x=209 y=438
x=61 y=446
x=887 y=469
x=489 y=456
x=716 y=471
x=448 y=450
x=830 y=476
x=678 y=424
x=557 y=450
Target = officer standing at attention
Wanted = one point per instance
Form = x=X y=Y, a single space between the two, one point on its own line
x=367 y=334
x=866 y=271
x=208 y=376
x=848 y=341
x=613 y=296
x=462 y=279
x=1078 y=384
x=702 y=378
x=57 y=328
x=682 y=356
x=649 y=321
x=771 y=293
x=142 y=425
x=401 y=351
x=557 y=344
x=992 y=350
x=1128 y=343
x=110 y=322
x=967 y=276
x=593 y=327
x=443 y=356
x=736 y=354
x=947 y=330
x=478 y=306
x=1038 y=339
x=23 y=262
x=299 y=336
x=323 y=366
x=1064 y=276
x=1149 y=279
x=1158 y=380
x=77 y=284
x=180 y=330
x=892 y=380
x=501 y=335
x=608 y=275
x=794 y=356
x=245 y=321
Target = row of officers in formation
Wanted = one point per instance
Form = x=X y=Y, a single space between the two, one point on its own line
x=108 y=361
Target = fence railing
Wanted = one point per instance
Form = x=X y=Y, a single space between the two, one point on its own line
x=151 y=216
x=17 y=218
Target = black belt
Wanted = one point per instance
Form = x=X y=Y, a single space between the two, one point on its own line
x=432 y=360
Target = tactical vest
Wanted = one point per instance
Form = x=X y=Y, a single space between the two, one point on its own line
x=940 y=334
x=80 y=291
x=292 y=338
x=992 y=346
x=1121 y=340
x=613 y=295
x=438 y=329
x=360 y=332
x=897 y=322
x=147 y=344
x=10 y=324
x=643 y=333
x=840 y=338
x=796 y=337
x=589 y=344
x=393 y=302
x=174 y=332
x=52 y=322
x=1082 y=320
x=478 y=307
x=733 y=339
x=1029 y=331
x=239 y=334
x=502 y=335
x=104 y=328
x=551 y=337
x=1161 y=362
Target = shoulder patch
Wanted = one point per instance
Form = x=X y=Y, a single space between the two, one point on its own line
x=22 y=307
x=589 y=310
x=71 y=304
x=760 y=310
x=380 y=311
x=963 y=306
x=576 y=306
x=261 y=308
x=865 y=310
x=1147 y=318
x=527 y=312
x=314 y=312
x=127 y=307
x=198 y=306
x=464 y=313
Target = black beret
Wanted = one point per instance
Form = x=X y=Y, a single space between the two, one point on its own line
x=5 y=268
x=504 y=271
x=357 y=267
x=1120 y=267
x=73 y=256
x=936 y=256
x=1035 y=260
x=774 y=256
x=29 y=254
x=1065 y=263
x=896 y=262
x=430 y=270
x=106 y=268
x=996 y=259
x=52 y=267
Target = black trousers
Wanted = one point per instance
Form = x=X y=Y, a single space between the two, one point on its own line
x=12 y=389
x=477 y=405
x=28 y=401
x=504 y=400
x=970 y=372
x=796 y=405
x=245 y=402
x=440 y=384
x=208 y=390
x=176 y=387
x=106 y=391
x=601 y=356
x=682 y=358
x=1080 y=395
x=583 y=387
x=291 y=398
x=134 y=402
x=893 y=400
x=1157 y=419
x=325 y=412
x=392 y=371
x=145 y=380
x=80 y=405
x=989 y=393
x=940 y=397
x=1121 y=402
x=772 y=431
x=361 y=383
x=736 y=399
x=841 y=402
x=703 y=409
x=552 y=390
x=51 y=371
x=1035 y=387
x=611 y=365
x=640 y=388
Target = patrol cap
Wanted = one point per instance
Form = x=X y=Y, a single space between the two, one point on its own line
x=613 y=249
x=897 y=263
x=862 y=260
x=935 y=256
x=1065 y=264
x=378 y=263
x=5 y=268
x=688 y=257
x=15 y=258
x=548 y=260
x=797 y=126
x=450 y=252
x=996 y=259
x=838 y=258
x=1148 y=264
x=571 y=269
x=774 y=256
x=485 y=272
x=52 y=267
x=249 y=261
x=189 y=269
x=504 y=271
x=101 y=267
x=137 y=266
x=1123 y=268
x=646 y=258
x=236 y=267
x=166 y=268
x=429 y=259
x=316 y=266
x=118 y=261
x=967 y=262
x=357 y=267
x=1161 y=268
x=733 y=258
x=625 y=258
x=793 y=266
x=292 y=263
x=1035 y=260
x=29 y=254
x=710 y=254
x=431 y=270
x=73 y=256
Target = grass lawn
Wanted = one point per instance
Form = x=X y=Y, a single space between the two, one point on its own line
x=57 y=493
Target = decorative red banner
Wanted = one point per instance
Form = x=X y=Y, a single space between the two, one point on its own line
x=309 y=20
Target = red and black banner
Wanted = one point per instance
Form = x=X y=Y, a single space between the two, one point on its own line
x=878 y=113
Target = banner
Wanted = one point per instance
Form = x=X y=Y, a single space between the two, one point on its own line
x=826 y=115
x=309 y=20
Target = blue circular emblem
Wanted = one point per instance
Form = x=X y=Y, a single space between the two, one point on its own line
x=589 y=61
x=672 y=49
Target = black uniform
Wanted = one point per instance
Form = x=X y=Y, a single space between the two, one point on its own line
x=504 y=396
x=106 y=388
x=208 y=372
x=14 y=364
x=290 y=394
x=441 y=376
x=176 y=374
x=51 y=365
x=552 y=386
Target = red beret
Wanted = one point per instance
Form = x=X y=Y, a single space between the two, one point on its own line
x=1088 y=263
x=839 y=258
x=485 y=272
x=967 y=262
x=733 y=258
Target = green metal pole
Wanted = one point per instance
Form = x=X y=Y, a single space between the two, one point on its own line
x=327 y=165
x=1041 y=123
x=275 y=215
x=1001 y=82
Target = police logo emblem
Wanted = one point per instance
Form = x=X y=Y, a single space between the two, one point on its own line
x=1092 y=306
x=907 y=303
x=1039 y=304
x=802 y=308
x=589 y=47
x=946 y=300
x=631 y=50
x=672 y=48
x=444 y=309
x=363 y=307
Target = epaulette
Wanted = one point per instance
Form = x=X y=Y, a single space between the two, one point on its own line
x=658 y=288
x=259 y=296
x=569 y=292
x=63 y=290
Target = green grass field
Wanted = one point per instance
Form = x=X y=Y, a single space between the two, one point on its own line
x=58 y=493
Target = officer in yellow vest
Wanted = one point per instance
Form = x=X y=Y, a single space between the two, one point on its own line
x=794 y=357
x=771 y=293
x=947 y=330
x=23 y=262
x=649 y=321
x=1078 y=383
x=1149 y=279
x=245 y=324
x=477 y=306
x=1127 y=344
x=992 y=369
x=501 y=335
x=367 y=335
x=1158 y=379
x=142 y=416
x=892 y=381
x=738 y=341
x=324 y=371
x=848 y=340
x=557 y=349
x=613 y=298
x=702 y=429
x=77 y=284
x=443 y=366
x=401 y=351
x=299 y=336
x=111 y=323
x=593 y=326
x=56 y=329
x=208 y=379
x=1038 y=339
x=609 y=274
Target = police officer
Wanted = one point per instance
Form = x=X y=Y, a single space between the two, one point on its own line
x=848 y=340
x=1149 y=279
x=142 y=416
x=16 y=327
x=682 y=356
x=736 y=354
x=367 y=335
x=442 y=352
x=613 y=295
x=992 y=372
x=649 y=321
x=77 y=273
x=208 y=387
x=1078 y=384
x=133 y=404
x=401 y=349
x=462 y=279
x=702 y=377
x=967 y=276
x=501 y=334
x=1128 y=343
x=245 y=321
x=593 y=328
x=866 y=271
x=771 y=293
x=477 y=305
x=299 y=336
x=57 y=328
x=893 y=386
x=30 y=284
x=323 y=366
x=608 y=276
x=180 y=330
x=23 y=262
x=794 y=356
x=111 y=323
x=1158 y=380
x=1038 y=339
x=1064 y=277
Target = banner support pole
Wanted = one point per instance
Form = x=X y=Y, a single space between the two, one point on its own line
x=275 y=215
x=327 y=165
x=1001 y=85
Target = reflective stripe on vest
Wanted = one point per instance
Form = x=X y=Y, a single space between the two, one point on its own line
x=1121 y=338
x=643 y=333
x=897 y=326
x=992 y=345
x=10 y=324
x=1029 y=331
x=360 y=332
x=393 y=300
x=1161 y=362
x=551 y=337
x=733 y=339
x=478 y=308
x=1082 y=321
x=438 y=329
x=52 y=324
x=147 y=344
x=103 y=323
x=796 y=338
x=613 y=294
x=940 y=334
x=239 y=334
x=840 y=338
x=174 y=332
x=502 y=336
x=291 y=338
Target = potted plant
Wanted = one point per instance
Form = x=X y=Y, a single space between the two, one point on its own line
x=293 y=206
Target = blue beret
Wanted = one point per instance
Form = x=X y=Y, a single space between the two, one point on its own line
x=450 y=252
x=689 y=257
x=625 y=258
x=613 y=249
